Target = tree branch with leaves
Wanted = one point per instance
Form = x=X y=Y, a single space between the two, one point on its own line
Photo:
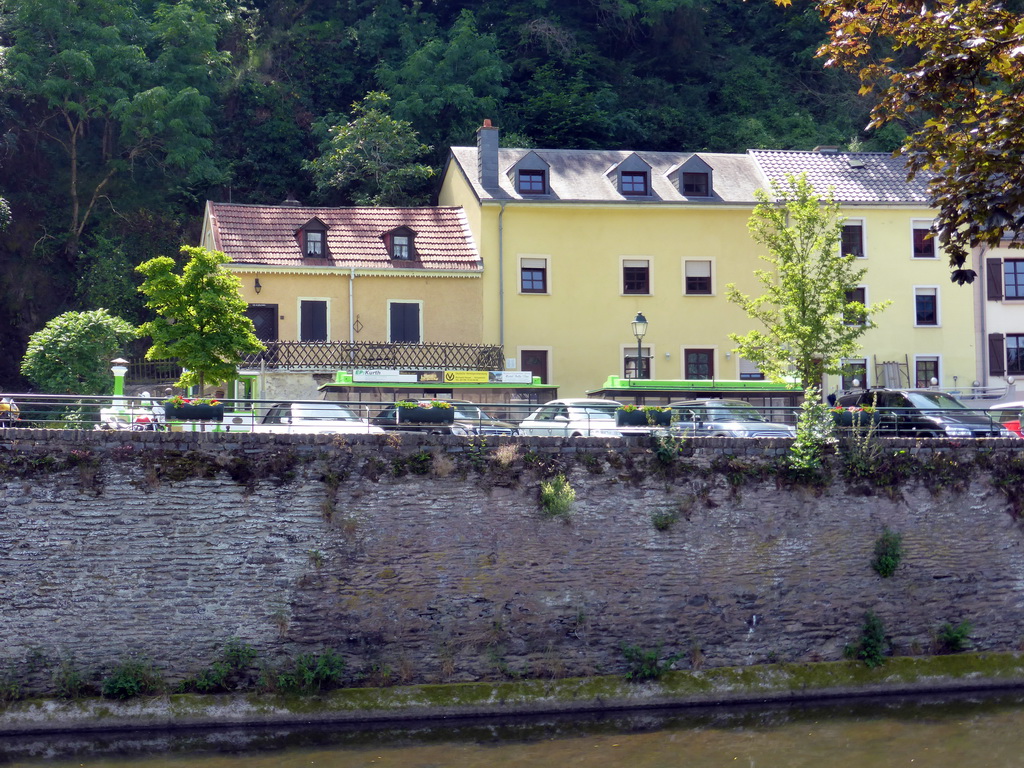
x=951 y=73
x=809 y=323
x=202 y=316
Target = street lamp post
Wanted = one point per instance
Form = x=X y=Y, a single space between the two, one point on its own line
x=639 y=330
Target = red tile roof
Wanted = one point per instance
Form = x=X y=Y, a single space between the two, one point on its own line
x=266 y=235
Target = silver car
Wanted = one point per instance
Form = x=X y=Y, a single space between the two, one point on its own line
x=573 y=417
x=319 y=418
x=724 y=418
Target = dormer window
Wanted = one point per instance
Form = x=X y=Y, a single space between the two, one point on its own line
x=634 y=183
x=314 y=243
x=632 y=177
x=531 y=175
x=694 y=178
x=532 y=182
x=400 y=244
x=313 y=239
x=696 y=184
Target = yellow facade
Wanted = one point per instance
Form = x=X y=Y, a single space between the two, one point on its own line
x=582 y=321
x=357 y=303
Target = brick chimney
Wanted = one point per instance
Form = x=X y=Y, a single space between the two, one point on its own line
x=487 y=155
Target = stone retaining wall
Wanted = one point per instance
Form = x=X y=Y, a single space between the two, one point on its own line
x=426 y=559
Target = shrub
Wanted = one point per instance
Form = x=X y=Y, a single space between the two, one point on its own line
x=225 y=674
x=646 y=663
x=134 y=677
x=69 y=682
x=873 y=644
x=888 y=553
x=307 y=673
x=557 y=497
x=952 y=639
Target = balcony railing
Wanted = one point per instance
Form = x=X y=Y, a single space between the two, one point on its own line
x=334 y=355
x=329 y=356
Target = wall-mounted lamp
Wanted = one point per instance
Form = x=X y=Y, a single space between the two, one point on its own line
x=257 y=286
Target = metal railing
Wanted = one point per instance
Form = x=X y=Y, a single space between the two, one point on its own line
x=338 y=417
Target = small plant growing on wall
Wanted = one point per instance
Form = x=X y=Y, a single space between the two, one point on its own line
x=873 y=645
x=888 y=553
x=647 y=663
x=953 y=639
x=557 y=497
x=130 y=678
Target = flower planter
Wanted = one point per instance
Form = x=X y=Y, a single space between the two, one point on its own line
x=852 y=419
x=193 y=412
x=419 y=415
x=643 y=418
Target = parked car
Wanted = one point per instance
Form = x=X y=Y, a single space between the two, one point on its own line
x=469 y=419
x=724 y=418
x=924 y=413
x=1008 y=414
x=573 y=417
x=318 y=418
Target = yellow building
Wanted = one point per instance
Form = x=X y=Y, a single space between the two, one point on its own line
x=333 y=288
x=576 y=242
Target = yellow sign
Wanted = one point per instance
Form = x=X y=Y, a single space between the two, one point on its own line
x=466 y=377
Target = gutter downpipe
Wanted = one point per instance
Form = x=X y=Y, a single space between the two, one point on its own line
x=981 y=301
x=501 y=278
x=351 y=309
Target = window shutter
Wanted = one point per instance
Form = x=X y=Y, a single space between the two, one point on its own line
x=313 y=323
x=405 y=323
x=996 y=355
x=994 y=279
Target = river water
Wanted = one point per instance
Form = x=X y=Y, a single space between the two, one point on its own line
x=955 y=732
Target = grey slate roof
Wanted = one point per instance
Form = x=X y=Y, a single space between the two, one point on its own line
x=855 y=177
x=584 y=175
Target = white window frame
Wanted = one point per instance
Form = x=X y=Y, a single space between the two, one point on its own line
x=622 y=275
x=547 y=276
x=853 y=360
x=740 y=360
x=867 y=303
x=916 y=224
x=938 y=368
x=938 y=305
x=716 y=373
x=851 y=220
x=714 y=275
x=423 y=319
x=298 y=315
x=629 y=350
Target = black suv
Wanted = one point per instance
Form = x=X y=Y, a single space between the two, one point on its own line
x=923 y=413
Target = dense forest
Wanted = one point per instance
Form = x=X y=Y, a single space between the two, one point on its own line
x=120 y=118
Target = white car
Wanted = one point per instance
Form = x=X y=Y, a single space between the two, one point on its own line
x=318 y=418
x=574 y=417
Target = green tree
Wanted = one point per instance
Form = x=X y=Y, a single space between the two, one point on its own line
x=71 y=354
x=809 y=322
x=952 y=72
x=448 y=86
x=114 y=91
x=372 y=157
x=202 y=320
